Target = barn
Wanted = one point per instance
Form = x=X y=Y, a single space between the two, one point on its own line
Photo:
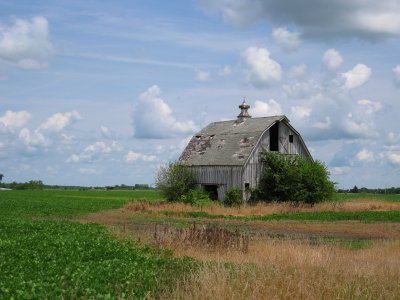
x=226 y=154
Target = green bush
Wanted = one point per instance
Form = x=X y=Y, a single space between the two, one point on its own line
x=175 y=182
x=233 y=197
x=292 y=178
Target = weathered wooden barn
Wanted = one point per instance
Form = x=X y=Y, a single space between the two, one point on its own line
x=227 y=154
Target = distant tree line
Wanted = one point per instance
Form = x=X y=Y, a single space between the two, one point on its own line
x=30 y=185
x=39 y=185
x=355 y=189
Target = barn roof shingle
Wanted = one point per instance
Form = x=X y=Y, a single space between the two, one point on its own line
x=227 y=143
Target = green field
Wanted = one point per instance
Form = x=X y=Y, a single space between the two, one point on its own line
x=46 y=254
x=37 y=203
x=63 y=259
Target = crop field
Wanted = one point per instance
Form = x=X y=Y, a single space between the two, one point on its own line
x=133 y=245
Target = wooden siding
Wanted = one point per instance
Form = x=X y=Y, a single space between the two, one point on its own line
x=225 y=177
x=252 y=169
x=285 y=146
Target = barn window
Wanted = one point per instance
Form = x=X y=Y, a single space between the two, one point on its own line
x=290 y=138
x=247 y=185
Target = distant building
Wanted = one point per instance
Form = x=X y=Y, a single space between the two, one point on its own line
x=227 y=154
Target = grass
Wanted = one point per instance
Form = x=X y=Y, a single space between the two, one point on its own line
x=343 y=197
x=56 y=259
x=364 y=216
x=37 y=203
x=45 y=254
x=62 y=259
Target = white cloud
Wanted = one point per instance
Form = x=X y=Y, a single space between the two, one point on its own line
x=59 y=121
x=134 y=156
x=394 y=158
x=89 y=171
x=365 y=155
x=300 y=112
x=225 y=71
x=368 y=19
x=262 y=70
x=396 y=71
x=97 y=150
x=34 y=139
x=288 y=41
x=153 y=119
x=297 y=71
x=340 y=170
x=357 y=76
x=324 y=125
x=332 y=59
x=202 y=76
x=265 y=109
x=26 y=44
x=13 y=119
x=370 y=107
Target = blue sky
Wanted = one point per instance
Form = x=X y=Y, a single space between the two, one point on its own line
x=102 y=93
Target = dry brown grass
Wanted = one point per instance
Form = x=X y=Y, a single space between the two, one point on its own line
x=295 y=270
x=265 y=209
x=275 y=268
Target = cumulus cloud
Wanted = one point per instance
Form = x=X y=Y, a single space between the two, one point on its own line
x=332 y=59
x=369 y=107
x=91 y=152
x=15 y=119
x=135 y=156
x=288 y=41
x=393 y=157
x=357 y=76
x=59 y=121
x=368 y=19
x=396 y=71
x=153 y=119
x=89 y=171
x=26 y=44
x=262 y=70
x=365 y=155
x=300 y=112
x=225 y=71
x=297 y=71
x=265 y=109
x=202 y=76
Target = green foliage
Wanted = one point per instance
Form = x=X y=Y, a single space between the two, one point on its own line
x=200 y=197
x=233 y=197
x=175 y=182
x=67 y=260
x=292 y=178
x=30 y=185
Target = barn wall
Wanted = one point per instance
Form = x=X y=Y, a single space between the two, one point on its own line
x=224 y=176
x=252 y=169
x=285 y=146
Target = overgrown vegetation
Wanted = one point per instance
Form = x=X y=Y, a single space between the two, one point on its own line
x=292 y=178
x=175 y=182
x=234 y=197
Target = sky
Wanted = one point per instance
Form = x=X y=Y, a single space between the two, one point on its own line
x=99 y=93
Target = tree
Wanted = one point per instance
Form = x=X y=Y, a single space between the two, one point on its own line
x=175 y=182
x=292 y=178
x=1 y=177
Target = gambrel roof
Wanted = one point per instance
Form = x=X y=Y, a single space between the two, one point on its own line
x=227 y=143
